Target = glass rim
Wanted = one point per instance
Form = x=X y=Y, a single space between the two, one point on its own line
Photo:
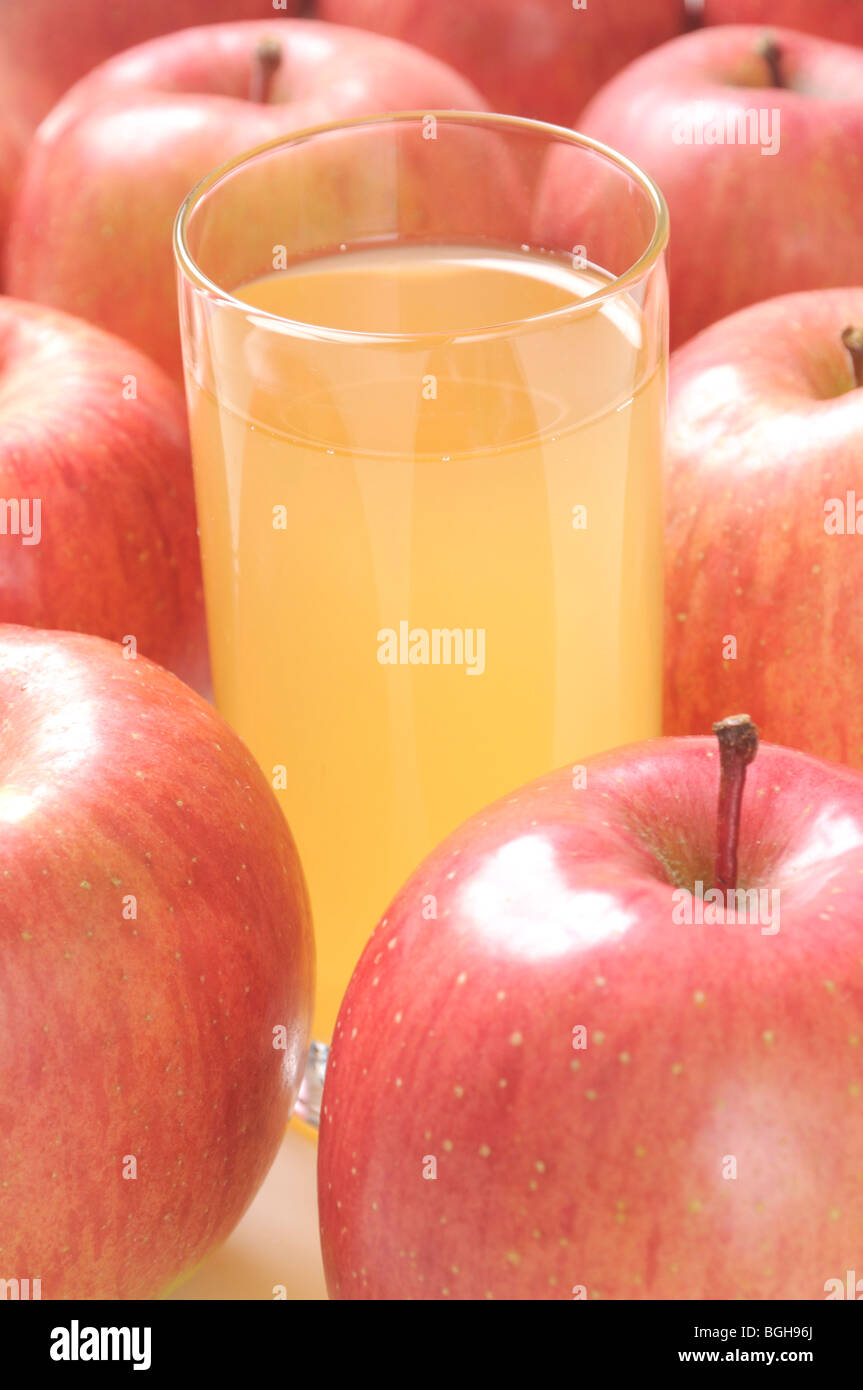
x=619 y=284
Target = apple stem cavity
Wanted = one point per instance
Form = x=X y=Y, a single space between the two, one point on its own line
x=266 y=61
x=852 y=341
x=769 y=50
x=738 y=744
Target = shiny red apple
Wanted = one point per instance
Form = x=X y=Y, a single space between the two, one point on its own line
x=546 y=1084
x=156 y=969
x=834 y=19
x=46 y=46
x=755 y=143
x=539 y=58
x=97 y=507
x=111 y=164
x=764 y=555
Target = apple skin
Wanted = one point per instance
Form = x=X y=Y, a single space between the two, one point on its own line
x=150 y=1037
x=118 y=554
x=602 y=1167
x=744 y=226
x=538 y=58
x=110 y=165
x=765 y=426
x=841 y=20
x=44 y=48
x=55 y=49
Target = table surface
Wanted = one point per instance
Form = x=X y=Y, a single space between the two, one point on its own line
x=276 y=1243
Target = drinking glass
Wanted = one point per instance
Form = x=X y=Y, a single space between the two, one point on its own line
x=425 y=361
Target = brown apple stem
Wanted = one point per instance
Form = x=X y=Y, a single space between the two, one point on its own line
x=693 y=17
x=852 y=341
x=738 y=744
x=266 y=61
x=768 y=49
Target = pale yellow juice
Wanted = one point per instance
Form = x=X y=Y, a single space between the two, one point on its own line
x=433 y=564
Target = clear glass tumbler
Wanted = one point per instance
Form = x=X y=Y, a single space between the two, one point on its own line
x=425 y=364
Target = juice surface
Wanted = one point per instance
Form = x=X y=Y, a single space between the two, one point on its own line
x=433 y=566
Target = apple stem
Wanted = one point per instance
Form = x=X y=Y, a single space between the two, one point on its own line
x=694 y=16
x=266 y=61
x=768 y=49
x=852 y=340
x=738 y=744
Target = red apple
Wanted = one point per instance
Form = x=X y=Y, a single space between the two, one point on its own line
x=836 y=19
x=156 y=954
x=745 y=224
x=109 y=167
x=764 y=557
x=97 y=507
x=544 y=1084
x=154 y=940
x=45 y=47
x=539 y=58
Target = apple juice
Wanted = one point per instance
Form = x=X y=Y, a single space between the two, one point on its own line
x=433 y=558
